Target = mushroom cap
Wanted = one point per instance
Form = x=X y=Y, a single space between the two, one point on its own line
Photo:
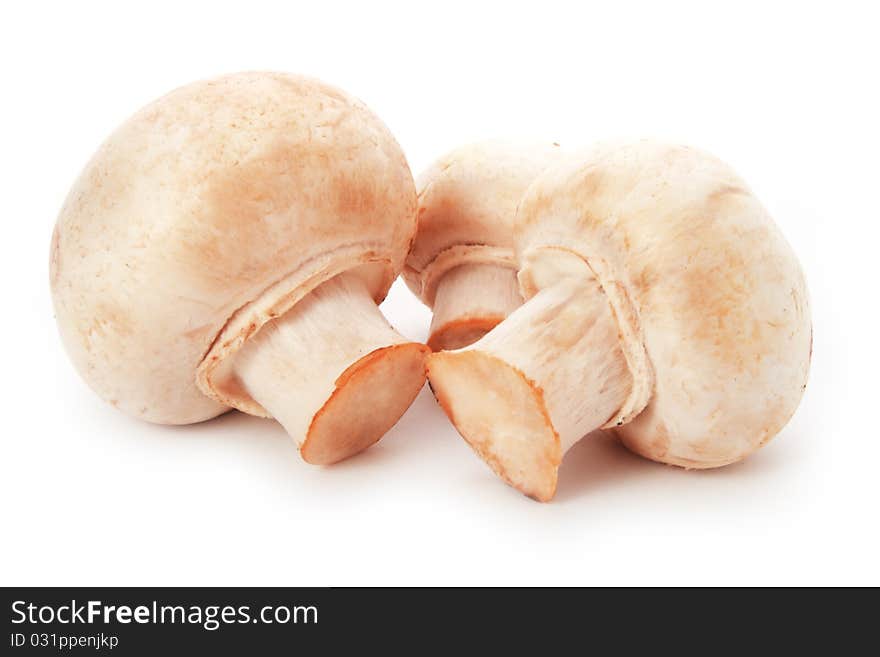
x=466 y=209
x=209 y=212
x=710 y=298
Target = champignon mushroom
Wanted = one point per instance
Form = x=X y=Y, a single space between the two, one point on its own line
x=226 y=247
x=461 y=263
x=662 y=303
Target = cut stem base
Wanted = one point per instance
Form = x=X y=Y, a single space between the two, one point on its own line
x=502 y=415
x=536 y=384
x=470 y=301
x=332 y=371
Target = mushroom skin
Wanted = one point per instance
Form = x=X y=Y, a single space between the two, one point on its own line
x=462 y=262
x=204 y=222
x=663 y=303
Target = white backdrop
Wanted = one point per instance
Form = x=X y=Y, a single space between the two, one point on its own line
x=787 y=93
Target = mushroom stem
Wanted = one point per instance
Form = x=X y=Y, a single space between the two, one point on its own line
x=332 y=371
x=536 y=384
x=470 y=300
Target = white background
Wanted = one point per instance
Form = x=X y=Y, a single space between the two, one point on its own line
x=787 y=93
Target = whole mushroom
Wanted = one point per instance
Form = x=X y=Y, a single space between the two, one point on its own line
x=462 y=262
x=662 y=303
x=227 y=246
